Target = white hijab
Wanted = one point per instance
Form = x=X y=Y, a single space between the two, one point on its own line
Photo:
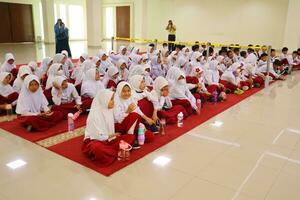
x=66 y=95
x=89 y=84
x=35 y=69
x=86 y=65
x=159 y=83
x=5 y=90
x=23 y=70
x=58 y=58
x=100 y=122
x=6 y=67
x=54 y=70
x=45 y=62
x=31 y=102
x=123 y=73
x=119 y=100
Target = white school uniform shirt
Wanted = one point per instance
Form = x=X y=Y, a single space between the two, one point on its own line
x=121 y=105
x=229 y=77
x=157 y=69
x=251 y=59
x=18 y=83
x=90 y=86
x=212 y=75
x=263 y=69
x=68 y=95
x=181 y=91
x=100 y=122
x=160 y=102
x=6 y=67
x=31 y=104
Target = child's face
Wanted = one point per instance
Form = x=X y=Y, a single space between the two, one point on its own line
x=145 y=61
x=126 y=92
x=64 y=84
x=63 y=61
x=103 y=57
x=33 y=86
x=180 y=78
x=82 y=59
x=158 y=60
x=11 y=61
x=140 y=61
x=123 y=66
x=273 y=53
x=111 y=102
x=294 y=55
x=7 y=79
x=124 y=51
x=98 y=63
x=230 y=55
x=97 y=76
x=142 y=85
x=165 y=91
x=284 y=52
x=264 y=58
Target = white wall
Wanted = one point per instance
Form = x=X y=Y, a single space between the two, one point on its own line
x=234 y=21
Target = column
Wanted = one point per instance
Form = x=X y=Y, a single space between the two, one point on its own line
x=94 y=22
x=48 y=20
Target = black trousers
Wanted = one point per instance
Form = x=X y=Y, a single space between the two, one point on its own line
x=172 y=38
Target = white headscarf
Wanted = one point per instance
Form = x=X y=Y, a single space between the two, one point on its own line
x=135 y=82
x=6 y=67
x=23 y=70
x=90 y=86
x=65 y=52
x=135 y=60
x=35 y=69
x=58 y=58
x=54 y=70
x=159 y=83
x=100 y=122
x=66 y=95
x=123 y=73
x=45 y=62
x=5 y=90
x=86 y=65
x=29 y=102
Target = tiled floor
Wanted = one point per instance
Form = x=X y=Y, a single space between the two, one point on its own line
x=253 y=155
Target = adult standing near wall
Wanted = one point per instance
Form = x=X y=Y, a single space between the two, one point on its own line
x=61 y=37
x=171 y=28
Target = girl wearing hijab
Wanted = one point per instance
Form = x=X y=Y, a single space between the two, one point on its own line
x=75 y=73
x=123 y=54
x=65 y=96
x=35 y=69
x=157 y=67
x=7 y=94
x=46 y=63
x=92 y=83
x=183 y=65
x=163 y=104
x=68 y=66
x=197 y=85
x=24 y=71
x=8 y=65
x=145 y=100
x=101 y=141
x=86 y=65
x=113 y=78
x=32 y=106
x=127 y=114
x=212 y=78
x=123 y=69
x=180 y=93
x=136 y=60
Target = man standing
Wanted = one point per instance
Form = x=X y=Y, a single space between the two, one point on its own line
x=171 y=28
x=61 y=37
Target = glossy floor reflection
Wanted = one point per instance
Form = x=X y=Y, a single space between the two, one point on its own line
x=27 y=52
x=254 y=154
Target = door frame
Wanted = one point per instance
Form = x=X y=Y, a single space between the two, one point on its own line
x=114 y=5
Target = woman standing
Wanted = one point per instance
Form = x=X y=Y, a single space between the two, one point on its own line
x=62 y=37
x=171 y=28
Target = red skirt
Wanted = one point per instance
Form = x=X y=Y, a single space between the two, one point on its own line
x=41 y=123
x=9 y=99
x=184 y=103
x=146 y=107
x=111 y=84
x=229 y=85
x=65 y=109
x=105 y=152
x=171 y=114
x=128 y=122
x=259 y=80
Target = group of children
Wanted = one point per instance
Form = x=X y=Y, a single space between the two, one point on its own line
x=120 y=90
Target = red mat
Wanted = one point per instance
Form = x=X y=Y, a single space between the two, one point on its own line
x=15 y=128
x=72 y=149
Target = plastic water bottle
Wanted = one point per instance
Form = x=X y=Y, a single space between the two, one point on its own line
x=198 y=104
x=141 y=134
x=215 y=97
x=9 y=112
x=180 y=119
x=71 y=125
x=162 y=126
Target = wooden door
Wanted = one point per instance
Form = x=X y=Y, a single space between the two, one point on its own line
x=21 y=19
x=123 y=21
x=5 y=33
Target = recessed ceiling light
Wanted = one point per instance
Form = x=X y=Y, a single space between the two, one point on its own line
x=217 y=123
x=161 y=160
x=16 y=164
x=93 y=199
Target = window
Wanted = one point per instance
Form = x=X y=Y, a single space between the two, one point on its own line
x=76 y=23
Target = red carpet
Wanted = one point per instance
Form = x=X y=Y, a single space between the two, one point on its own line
x=72 y=149
x=15 y=128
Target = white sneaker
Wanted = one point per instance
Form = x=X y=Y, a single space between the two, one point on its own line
x=245 y=88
